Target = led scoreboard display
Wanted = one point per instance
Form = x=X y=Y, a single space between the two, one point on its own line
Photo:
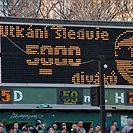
x=6 y=96
x=69 y=96
x=129 y=97
x=48 y=52
x=62 y=96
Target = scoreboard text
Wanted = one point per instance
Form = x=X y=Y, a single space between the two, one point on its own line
x=65 y=54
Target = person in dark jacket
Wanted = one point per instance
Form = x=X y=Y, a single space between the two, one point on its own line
x=114 y=123
x=130 y=131
x=36 y=127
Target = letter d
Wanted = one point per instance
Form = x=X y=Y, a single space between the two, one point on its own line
x=18 y=96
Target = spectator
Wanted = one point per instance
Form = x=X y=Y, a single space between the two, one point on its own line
x=128 y=126
x=113 y=129
x=50 y=129
x=80 y=127
x=11 y=130
x=16 y=127
x=36 y=128
x=24 y=129
x=98 y=129
x=63 y=128
x=38 y=120
x=74 y=128
x=55 y=127
x=131 y=130
x=1 y=129
x=3 y=122
x=114 y=123
x=91 y=130
x=43 y=128
x=63 y=131
x=29 y=127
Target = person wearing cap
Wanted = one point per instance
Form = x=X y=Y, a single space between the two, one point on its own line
x=36 y=128
x=63 y=125
x=29 y=127
x=63 y=128
x=24 y=129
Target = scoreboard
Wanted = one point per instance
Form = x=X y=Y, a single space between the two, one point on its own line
x=32 y=97
x=65 y=53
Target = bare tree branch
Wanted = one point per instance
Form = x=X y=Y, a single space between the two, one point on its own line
x=121 y=10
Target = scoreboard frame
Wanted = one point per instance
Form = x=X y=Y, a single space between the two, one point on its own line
x=65 y=42
x=46 y=96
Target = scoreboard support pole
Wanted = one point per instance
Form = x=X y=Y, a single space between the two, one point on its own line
x=102 y=93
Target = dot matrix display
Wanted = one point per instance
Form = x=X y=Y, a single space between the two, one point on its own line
x=65 y=54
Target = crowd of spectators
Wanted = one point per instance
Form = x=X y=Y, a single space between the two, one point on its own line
x=78 y=127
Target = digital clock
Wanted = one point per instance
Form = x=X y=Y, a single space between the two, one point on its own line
x=6 y=96
x=70 y=96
